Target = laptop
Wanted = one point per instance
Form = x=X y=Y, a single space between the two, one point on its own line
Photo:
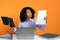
x=8 y=21
x=25 y=33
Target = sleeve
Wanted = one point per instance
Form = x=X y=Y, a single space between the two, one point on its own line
x=14 y=29
x=42 y=26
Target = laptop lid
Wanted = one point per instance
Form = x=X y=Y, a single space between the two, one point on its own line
x=8 y=21
x=5 y=20
x=11 y=22
x=23 y=33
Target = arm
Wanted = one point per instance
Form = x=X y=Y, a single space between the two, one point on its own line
x=15 y=28
x=41 y=26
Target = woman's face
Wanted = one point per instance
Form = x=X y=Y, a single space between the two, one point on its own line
x=29 y=13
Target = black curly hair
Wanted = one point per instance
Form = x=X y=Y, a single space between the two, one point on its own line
x=23 y=15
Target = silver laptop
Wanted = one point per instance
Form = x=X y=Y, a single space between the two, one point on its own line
x=25 y=33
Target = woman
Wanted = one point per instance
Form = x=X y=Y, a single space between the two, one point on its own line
x=27 y=19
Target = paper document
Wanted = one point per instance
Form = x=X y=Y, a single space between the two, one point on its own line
x=41 y=16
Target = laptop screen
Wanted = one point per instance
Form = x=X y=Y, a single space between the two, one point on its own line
x=5 y=20
x=11 y=22
x=8 y=21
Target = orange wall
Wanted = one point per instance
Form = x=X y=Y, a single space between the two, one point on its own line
x=12 y=8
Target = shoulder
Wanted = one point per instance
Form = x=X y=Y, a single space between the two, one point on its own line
x=22 y=23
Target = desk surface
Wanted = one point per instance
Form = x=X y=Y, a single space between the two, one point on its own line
x=35 y=38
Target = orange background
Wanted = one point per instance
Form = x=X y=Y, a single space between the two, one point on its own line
x=12 y=8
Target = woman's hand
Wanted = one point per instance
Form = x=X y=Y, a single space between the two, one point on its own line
x=45 y=18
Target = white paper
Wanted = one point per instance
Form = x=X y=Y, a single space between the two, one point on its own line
x=41 y=16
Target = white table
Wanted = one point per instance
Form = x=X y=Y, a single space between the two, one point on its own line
x=35 y=38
